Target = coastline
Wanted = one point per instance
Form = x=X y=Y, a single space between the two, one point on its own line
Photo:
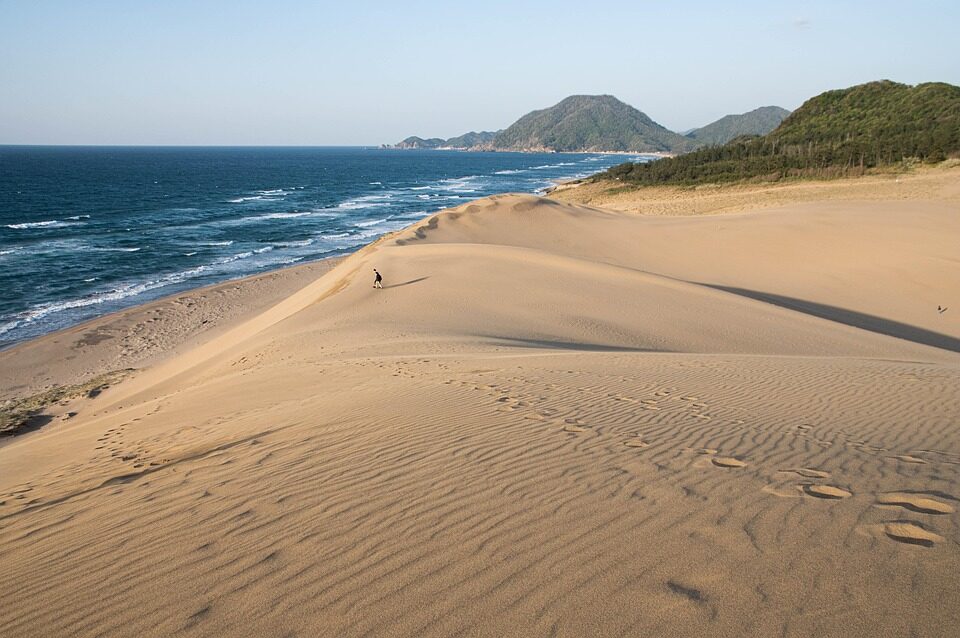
x=146 y=333
x=219 y=235
x=537 y=386
x=657 y=154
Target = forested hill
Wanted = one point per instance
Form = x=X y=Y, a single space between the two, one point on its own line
x=837 y=133
x=757 y=122
x=590 y=123
x=465 y=141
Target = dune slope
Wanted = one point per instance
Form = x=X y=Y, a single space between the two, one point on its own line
x=553 y=420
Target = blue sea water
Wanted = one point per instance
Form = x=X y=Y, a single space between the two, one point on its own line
x=89 y=230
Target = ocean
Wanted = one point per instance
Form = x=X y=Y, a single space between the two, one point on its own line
x=85 y=231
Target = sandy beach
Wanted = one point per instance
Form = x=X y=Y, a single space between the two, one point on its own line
x=558 y=418
x=144 y=334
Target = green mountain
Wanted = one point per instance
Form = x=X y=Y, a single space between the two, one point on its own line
x=418 y=142
x=465 y=141
x=757 y=122
x=589 y=123
x=471 y=139
x=837 y=133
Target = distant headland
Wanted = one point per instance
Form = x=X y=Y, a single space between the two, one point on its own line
x=601 y=123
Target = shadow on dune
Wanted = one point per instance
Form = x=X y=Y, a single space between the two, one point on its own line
x=850 y=318
x=562 y=345
x=406 y=283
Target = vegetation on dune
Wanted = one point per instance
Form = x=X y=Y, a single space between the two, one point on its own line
x=20 y=414
x=835 y=134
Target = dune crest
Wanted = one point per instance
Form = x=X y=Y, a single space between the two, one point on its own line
x=552 y=420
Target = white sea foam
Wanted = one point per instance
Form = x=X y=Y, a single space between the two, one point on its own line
x=416 y=214
x=217 y=243
x=372 y=222
x=190 y=254
x=52 y=223
x=375 y=232
x=118 y=293
x=124 y=290
x=232 y=258
x=106 y=249
x=277 y=216
x=359 y=205
x=509 y=171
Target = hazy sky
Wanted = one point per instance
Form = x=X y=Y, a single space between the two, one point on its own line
x=358 y=72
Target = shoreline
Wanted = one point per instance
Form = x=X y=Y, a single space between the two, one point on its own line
x=46 y=361
x=145 y=333
x=658 y=154
x=537 y=385
x=35 y=316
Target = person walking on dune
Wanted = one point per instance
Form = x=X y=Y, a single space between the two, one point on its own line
x=377 y=282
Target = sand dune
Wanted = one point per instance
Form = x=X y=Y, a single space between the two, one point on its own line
x=553 y=420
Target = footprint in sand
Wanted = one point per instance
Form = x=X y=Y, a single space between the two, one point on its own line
x=906 y=458
x=826 y=491
x=635 y=443
x=727 y=461
x=573 y=429
x=807 y=472
x=915 y=502
x=707 y=450
x=911 y=533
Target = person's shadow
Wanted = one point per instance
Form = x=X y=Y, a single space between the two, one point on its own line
x=406 y=283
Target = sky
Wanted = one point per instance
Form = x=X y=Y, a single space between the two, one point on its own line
x=294 y=72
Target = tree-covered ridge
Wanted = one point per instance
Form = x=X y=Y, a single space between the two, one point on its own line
x=590 y=123
x=837 y=133
x=756 y=122
x=470 y=140
x=418 y=142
